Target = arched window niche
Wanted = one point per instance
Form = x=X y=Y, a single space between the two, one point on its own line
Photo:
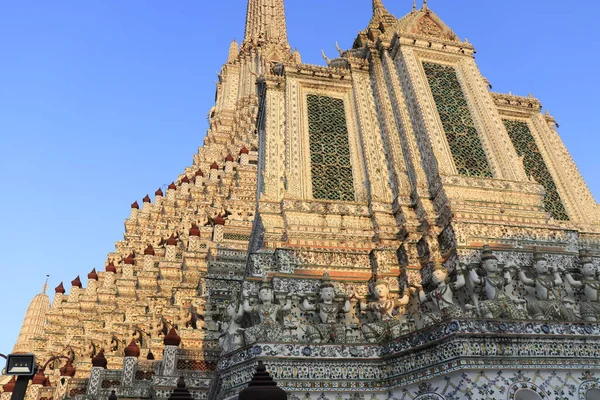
x=592 y=394
x=527 y=394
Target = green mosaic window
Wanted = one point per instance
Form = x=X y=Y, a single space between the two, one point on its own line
x=329 y=149
x=535 y=166
x=466 y=148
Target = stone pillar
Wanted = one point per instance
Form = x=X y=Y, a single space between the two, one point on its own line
x=171 y=342
x=92 y=282
x=147 y=204
x=95 y=381
x=171 y=191
x=171 y=249
x=185 y=185
x=132 y=352
x=158 y=196
x=129 y=364
x=199 y=178
x=244 y=158
x=214 y=172
x=194 y=238
x=99 y=363
x=218 y=233
x=229 y=163
x=149 y=257
x=135 y=208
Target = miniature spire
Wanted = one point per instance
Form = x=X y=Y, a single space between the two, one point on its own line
x=414 y=9
x=379 y=8
x=424 y=4
x=234 y=49
x=265 y=21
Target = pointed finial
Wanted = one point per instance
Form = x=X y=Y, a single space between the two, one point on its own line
x=45 y=287
x=424 y=4
x=337 y=47
x=377 y=6
x=325 y=57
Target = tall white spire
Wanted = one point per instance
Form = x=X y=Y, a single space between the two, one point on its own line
x=265 y=21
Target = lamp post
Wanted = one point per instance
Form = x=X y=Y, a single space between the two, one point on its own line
x=23 y=366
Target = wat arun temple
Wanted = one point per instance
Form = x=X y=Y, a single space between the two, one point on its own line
x=384 y=227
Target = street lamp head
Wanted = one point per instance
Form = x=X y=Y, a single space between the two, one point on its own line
x=20 y=364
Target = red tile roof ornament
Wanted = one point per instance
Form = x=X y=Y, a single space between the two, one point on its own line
x=172 y=339
x=214 y=165
x=135 y=205
x=146 y=199
x=244 y=150
x=172 y=241
x=194 y=230
x=149 y=251
x=111 y=268
x=159 y=192
x=93 y=275
x=10 y=386
x=219 y=220
x=185 y=179
x=172 y=186
x=76 y=282
x=199 y=173
x=99 y=360
x=229 y=158
x=68 y=369
x=60 y=289
x=130 y=259
x=132 y=350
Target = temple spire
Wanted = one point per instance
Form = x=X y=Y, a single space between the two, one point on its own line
x=265 y=22
x=378 y=7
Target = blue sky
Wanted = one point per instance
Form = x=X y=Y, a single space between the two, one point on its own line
x=104 y=101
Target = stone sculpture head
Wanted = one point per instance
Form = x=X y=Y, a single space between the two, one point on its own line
x=327 y=293
x=326 y=289
x=540 y=263
x=232 y=306
x=439 y=274
x=489 y=260
x=381 y=290
x=265 y=293
x=586 y=264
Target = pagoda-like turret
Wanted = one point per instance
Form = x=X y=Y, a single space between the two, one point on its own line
x=34 y=321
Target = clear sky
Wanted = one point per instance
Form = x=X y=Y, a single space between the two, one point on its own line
x=104 y=101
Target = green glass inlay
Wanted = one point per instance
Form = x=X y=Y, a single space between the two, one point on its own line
x=329 y=149
x=466 y=148
x=534 y=165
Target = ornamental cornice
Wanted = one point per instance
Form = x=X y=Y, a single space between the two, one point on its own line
x=324 y=207
x=528 y=105
x=430 y=44
x=440 y=343
x=496 y=184
x=317 y=71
